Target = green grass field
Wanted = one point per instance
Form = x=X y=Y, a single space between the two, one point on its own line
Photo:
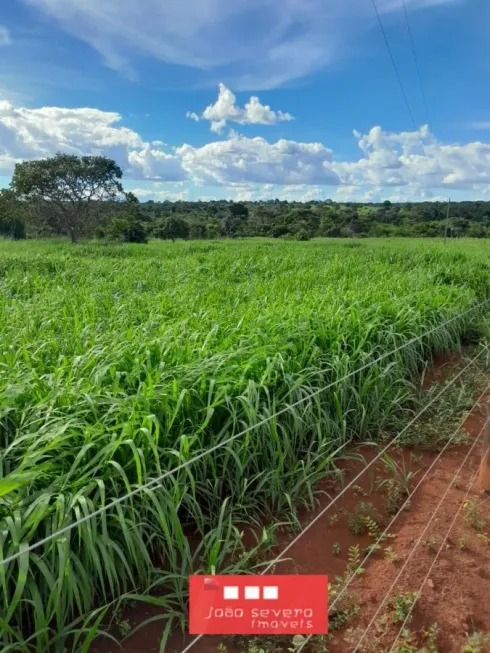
x=120 y=362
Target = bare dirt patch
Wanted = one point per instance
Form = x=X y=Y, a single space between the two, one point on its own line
x=455 y=597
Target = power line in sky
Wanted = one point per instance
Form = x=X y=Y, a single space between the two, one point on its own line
x=394 y=65
x=415 y=58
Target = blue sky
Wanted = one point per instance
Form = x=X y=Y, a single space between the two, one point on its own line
x=122 y=77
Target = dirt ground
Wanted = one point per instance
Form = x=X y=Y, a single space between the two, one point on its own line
x=454 y=603
x=455 y=596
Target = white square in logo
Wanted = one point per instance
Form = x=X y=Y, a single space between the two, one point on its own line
x=270 y=592
x=230 y=592
x=252 y=592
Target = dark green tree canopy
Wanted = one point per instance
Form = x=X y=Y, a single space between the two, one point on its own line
x=170 y=228
x=283 y=219
x=12 y=224
x=72 y=186
x=129 y=224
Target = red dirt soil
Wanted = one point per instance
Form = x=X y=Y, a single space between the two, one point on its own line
x=456 y=596
x=456 y=593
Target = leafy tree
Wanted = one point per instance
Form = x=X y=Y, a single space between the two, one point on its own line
x=170 y=228
x=129 y=225
x=73 y=187
x=213 y=229
x=239 y=210
x=12 y=224
x=260 y=221
x=476 y=230
x=197 y=230
x=126 y=229
x=233 y=219
x=380 y=230
x=302 y=234
x=279 y=230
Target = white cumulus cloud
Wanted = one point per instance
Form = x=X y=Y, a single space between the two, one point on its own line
x=405 y=164
x=226 y=110
x=380 y=194
x=152 y=163
x=255 y=160
x=418 y=160
x=37 y=133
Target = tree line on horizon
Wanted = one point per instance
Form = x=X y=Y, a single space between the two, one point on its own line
x=83 y=198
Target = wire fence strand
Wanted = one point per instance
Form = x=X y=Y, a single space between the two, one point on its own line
x=310 y=524
x=159 y=479
x=399 y=512
x=412 y=552
x=377 y=457
x=426 y=578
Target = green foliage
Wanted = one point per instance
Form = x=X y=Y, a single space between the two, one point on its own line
x=67 y=179
x=71 y=186
x=397 y=486
x=125 y=229
x=346 y=606
x=14 y=229
x=477 y=642
x=430 y=543
x=12 y=219
x=121 y=362
x=128 y=225
x=364 y=519
x=354 y=561
x=407 y=643
x=472 y=513
x=170 y=228
x=301 y=235
x=391 y=555
x=402 y=605
x=290 y=220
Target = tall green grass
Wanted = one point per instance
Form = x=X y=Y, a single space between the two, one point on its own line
x=118 y=363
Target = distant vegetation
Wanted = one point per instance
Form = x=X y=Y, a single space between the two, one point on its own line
x=82 y=197
x=301 y=221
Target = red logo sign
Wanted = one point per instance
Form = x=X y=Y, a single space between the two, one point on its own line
x=258 y=605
